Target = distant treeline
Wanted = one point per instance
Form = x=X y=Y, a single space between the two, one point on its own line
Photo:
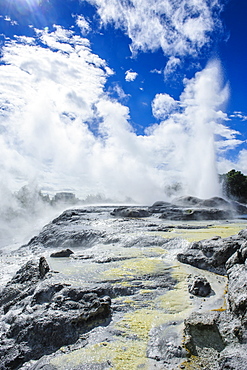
x=234 y=185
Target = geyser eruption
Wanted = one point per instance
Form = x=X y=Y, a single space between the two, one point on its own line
x=201 y=103
x=60 y=127
x=187 y=135
x=203 y=98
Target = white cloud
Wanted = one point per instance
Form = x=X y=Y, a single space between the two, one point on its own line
x=178 y=27
x=242 y=161
x=41 y=90
x=171 y=66
x=163 y=105
x=130 y=75
x=225 y=145
x=52 y=101
x=226 y=132
x=158 y=71
x=239 y=115
x=117 y=89
x=239 y=164
x=8 y=19
x=83 y=24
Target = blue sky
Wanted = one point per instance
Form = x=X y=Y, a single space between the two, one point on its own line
x=128 y=99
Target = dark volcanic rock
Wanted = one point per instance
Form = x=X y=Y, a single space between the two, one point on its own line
x=63 y=253
x=214 y=202
x=192 y=208
x=71 y=216
x=243 y=234
x=211 y=254
x=41 y=316
x=187 y=201
x=160 y=204
x=199 y=286
x=130 y=212
x=193 y=214
x=22 y=284
x=43 y=267
x=160 y=207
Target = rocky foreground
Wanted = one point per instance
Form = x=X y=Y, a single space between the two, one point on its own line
x=102 y=289
x=218 y=339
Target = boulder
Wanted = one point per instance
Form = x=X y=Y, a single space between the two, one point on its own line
x=211 y=254
x=64 y=253
x=199 y=286
x=43 y=267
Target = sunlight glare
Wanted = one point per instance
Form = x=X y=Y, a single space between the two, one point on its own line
x=24 y=5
